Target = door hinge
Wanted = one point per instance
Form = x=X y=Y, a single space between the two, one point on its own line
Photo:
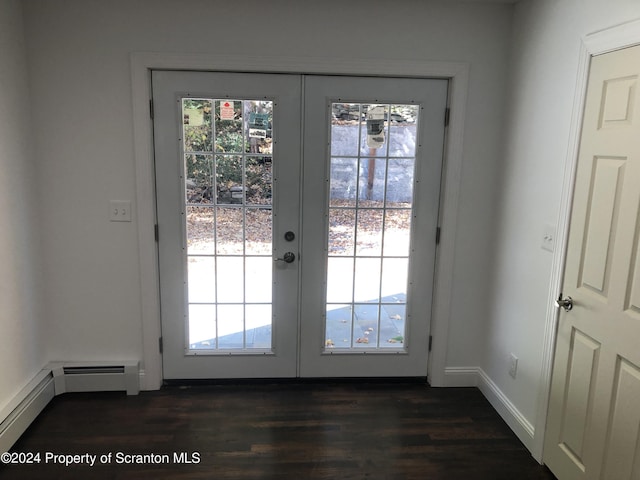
x=156 y=232
x=447 y=113
x=151 y=108
x=438 y=236
x=430 y=342
x=160 y=346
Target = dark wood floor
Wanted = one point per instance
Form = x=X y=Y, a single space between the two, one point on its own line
x=286 y=431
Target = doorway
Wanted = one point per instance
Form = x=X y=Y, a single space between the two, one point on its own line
x=297 y=222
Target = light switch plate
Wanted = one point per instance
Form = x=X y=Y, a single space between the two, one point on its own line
x=548 y=238
x=120 y=211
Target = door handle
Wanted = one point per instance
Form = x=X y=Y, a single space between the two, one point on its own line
x=566 y=303
x=288 y=257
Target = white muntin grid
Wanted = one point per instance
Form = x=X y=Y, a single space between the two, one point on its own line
x=219 y=305
x=358 y=205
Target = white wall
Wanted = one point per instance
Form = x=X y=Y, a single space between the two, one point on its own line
x=21 y=327
x=80 y=79
x=543 y=74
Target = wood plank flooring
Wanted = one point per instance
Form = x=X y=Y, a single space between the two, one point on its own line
x=330 y=430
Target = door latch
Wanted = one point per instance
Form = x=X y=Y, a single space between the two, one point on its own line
x=288 y=257
x=566 y=303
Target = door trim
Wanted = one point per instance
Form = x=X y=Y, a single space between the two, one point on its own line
x=143 y=63
x=593 y=44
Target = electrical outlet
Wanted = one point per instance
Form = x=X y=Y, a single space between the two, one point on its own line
x=548 y=238
x=120 y=211
x=513 y=365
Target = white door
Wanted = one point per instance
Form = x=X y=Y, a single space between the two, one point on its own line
x=370 y=213
x=593 y=426
x=227 y=159
x=258 y=234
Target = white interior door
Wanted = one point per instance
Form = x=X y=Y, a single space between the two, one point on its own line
x=593 y=426
x=260 y=278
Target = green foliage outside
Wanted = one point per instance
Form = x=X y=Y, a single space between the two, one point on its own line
x=198 y=115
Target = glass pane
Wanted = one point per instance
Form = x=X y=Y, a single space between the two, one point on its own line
x=365 y=325
x=258 y=180
x=372 y=182
x=369 y=234
x=196 y=122
x=402 y=140
x=342 y=223
x=400 y=183
x=230 y=326
x=200 y=230
x=367 y=280
x=402 y=131
x=339 y=326
x=392 y=325
x=199 y=181
x=404 y=114
x=344 y=182
x=202 y=326
x=229 y=179
x=374 y=131
x=258 y=326
x=345 y=129
x=230 y=280
x=258 y=279
x=397 y=232
x=258 y=118
x=258 y=231
x=202 y=279
x=339 y=280
x=228 y=126
x=229 y=231
x=395 y=272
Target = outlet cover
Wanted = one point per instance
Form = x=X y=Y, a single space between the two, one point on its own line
x=120 y=211
x=513 y=365
x=548 y=238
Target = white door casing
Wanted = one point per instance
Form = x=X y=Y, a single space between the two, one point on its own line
x=594 y=419
x=142 y=63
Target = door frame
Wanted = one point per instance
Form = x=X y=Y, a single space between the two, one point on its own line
x=593 y=44
x=141 y=65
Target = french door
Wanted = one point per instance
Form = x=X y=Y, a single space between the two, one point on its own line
x=297 y=222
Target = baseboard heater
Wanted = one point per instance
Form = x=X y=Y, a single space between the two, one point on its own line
x=58 y=378
x=97 y=377
x=16 y=417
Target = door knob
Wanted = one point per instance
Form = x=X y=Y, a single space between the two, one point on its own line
x=288 y=257
x=566 y=303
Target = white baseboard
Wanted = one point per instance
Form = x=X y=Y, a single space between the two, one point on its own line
x=23 y=409
x=522 y=427
x=142 y=379
x=476 y=377
x=461 y=377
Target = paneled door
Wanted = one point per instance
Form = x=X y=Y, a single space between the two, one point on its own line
x=593 y=426
x=297 y=222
